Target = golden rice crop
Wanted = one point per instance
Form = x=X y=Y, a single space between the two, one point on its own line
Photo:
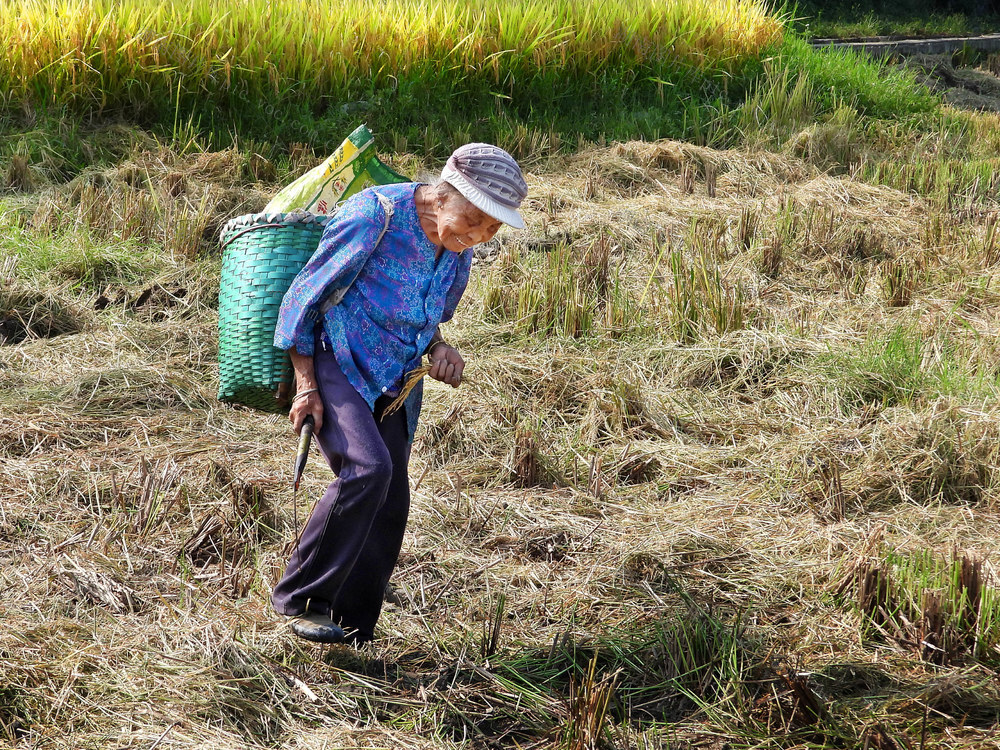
x=99 y=53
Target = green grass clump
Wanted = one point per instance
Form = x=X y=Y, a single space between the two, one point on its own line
x=76 y=258
x=943 y=610
x=870 y=86
x=701 y=300
x=895 y=369
x=660 y=673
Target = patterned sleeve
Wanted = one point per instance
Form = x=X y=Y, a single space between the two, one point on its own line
x=457 y=288
x=347 y=243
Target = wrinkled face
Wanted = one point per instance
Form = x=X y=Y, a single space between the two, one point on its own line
x=460 y=224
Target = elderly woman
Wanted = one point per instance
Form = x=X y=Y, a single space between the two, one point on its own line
x=402 y=253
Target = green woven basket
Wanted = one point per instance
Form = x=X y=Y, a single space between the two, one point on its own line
x=263 y=253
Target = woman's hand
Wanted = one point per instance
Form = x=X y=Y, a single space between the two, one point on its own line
x=311 y=403
x=446 y=364
x=308 y=404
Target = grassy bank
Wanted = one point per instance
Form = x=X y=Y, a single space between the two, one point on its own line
x=920 y=18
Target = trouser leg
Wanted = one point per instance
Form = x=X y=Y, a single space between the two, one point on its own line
x=359 y=602
x=338 y=528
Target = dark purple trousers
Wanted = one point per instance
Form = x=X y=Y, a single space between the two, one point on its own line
x=351 y=541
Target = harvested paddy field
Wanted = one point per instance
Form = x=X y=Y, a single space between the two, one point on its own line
x=723 y=471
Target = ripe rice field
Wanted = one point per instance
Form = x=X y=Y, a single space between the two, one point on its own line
x=103 y=52
x=265 y=59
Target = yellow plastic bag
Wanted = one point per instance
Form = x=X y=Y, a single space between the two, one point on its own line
x=349 y=170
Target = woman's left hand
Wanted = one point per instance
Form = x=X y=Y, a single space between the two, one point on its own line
x=447 y=365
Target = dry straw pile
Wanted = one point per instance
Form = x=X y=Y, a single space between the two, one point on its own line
x=723 y=470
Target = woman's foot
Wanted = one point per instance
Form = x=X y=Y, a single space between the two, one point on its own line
x=317 y=627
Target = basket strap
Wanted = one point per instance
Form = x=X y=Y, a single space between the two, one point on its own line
x=251 y=228
x=337 y=295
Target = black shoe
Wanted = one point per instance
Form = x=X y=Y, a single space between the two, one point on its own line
x=317 y=627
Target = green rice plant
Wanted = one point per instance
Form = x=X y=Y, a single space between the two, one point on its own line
x=685 y=309
x=815 y=101
x=561 y=293
x=700 y=299
x=786 y=229
x=898 y=283
x=780 y=103
x=558 y=303
x=490 y=641
x=945 y=611
x=986 y=251
x=952 y=182
x=748 y=228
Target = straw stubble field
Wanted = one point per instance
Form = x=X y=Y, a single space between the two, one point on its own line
x=722 y=474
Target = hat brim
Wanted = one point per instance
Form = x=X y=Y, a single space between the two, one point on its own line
x=480 y=200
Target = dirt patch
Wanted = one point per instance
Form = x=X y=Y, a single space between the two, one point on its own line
x=27 y=313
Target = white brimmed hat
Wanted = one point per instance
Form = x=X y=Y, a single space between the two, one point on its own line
x=490 y=179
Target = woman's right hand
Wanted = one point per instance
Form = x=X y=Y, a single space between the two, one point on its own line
x=310 y=404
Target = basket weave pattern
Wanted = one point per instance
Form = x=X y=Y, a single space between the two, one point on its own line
x=263 y=254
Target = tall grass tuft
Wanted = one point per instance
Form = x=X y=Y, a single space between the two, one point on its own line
x=700 y=298
x=588 y=709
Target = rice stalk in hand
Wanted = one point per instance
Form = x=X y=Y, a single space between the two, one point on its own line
x=412 y=378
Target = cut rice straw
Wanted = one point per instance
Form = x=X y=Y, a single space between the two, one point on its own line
x=412 y=378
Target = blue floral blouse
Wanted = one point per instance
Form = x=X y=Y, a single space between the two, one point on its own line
x=388 y=316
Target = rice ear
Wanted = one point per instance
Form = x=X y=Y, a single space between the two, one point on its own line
x=412 y=378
